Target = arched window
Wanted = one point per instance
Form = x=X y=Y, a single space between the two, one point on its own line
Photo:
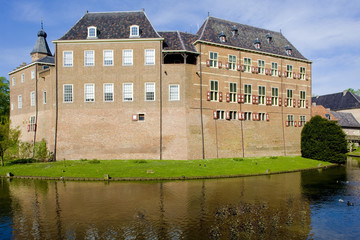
x=92 y=32
x=134 y=31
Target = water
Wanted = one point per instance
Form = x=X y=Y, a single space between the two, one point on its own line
x=286 y=206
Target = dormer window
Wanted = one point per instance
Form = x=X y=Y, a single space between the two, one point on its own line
x=268 y=38
x=257 y=44
x=222 y=37
x=234 y=31
x=134 y=31
x=92 y=32
x=288 y=50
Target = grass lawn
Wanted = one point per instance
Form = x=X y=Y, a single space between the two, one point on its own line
x=160 y=168
x=356 y=152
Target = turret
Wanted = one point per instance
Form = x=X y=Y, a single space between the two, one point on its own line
x=41 y=48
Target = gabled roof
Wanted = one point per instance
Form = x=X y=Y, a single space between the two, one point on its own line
x=338 y=101
x=346 y=119
x=319 y=110
x=178 y=41
x=111 y=25
x=41 y=45
x=246 y=37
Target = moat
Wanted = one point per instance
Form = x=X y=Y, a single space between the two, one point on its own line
x=316 y=204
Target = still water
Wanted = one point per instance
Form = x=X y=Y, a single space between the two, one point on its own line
x=302 y=205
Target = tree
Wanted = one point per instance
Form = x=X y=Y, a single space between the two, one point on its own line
x=8 y=137
x=4 y=97
x=324 y=140
x=357 y=92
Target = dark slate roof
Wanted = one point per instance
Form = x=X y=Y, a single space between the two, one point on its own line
x=346 y=119
x=338 y=101
x=178 y=41
x=41 y=45
x=112 y=25
x=47 y=59
x=246 y=37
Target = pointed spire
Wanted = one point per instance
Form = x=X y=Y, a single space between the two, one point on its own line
x=41 y=48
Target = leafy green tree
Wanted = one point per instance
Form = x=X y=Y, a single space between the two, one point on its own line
x=8 y=137
x=4 y=97
x=357 y=92
x=324 y=140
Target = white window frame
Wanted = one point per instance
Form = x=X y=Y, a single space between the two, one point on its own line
x=174 y=96
x=262 y=116
x=232 y=62
x=128 y=96
x=32 y=74
x=106 y=87
x=261 y=66
x=12 y=106
x=132 y=33
x=220 y=114
x=44 y=97
x=149 y=56
x=32 y=99
x=290 y=120
x=67 y=94
x=302 y=99
x=23 y=77
x=68 y=58
x=247 y=94
x=90 y=35
x=214 y=90
x=262 y=94
x=32 y=123
x=13 y=81
x=247 y=64
x=274 y=68
x=302 y=120
x=19 y=101
x=89 y=61
x=289 y=70
x=89 y=92
x=248 y=116
x=302 y=73
x=213 y=57
x=233 y=92
x=128 y=57
x=289 y=98
x=275 y=96
x=148 y=87
x=107 y=59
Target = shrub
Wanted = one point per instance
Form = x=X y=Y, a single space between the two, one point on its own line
x=238 y=159
x=41 y=151
x=140 y=161
x=323 y=140
x=94 y=161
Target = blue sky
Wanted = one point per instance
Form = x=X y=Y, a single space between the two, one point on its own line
x=324 y=31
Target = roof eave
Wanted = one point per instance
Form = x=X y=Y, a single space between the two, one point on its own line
x=107 y=40
x=29 y=65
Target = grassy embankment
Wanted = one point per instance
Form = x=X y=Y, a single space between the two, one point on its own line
x=160 y=168
x=356 y=152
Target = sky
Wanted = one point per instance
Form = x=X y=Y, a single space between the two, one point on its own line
x=324 y=31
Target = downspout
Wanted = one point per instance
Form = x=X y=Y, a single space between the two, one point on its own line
x=282 y=107
x=201 y=110
x=310 y=103
x=56 y=100
x=161 y=61
x=36 y=107
x=241 y=122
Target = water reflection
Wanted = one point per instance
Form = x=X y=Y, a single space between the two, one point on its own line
x=266 y=207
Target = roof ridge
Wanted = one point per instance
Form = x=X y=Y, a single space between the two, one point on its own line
x=116 y=12
x=203 y=30
x=355 y=96
x=181 y=41
x=73 y=25
x=151 y=24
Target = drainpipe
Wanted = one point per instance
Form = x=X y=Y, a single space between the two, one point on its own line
x=36 y=107
x=56 y=99
x=201 y=110
x=241 y=122
x=161 y=61
x=282 y=107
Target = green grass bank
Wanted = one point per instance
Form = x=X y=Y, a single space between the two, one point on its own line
x=355 y=153
x=160 y=168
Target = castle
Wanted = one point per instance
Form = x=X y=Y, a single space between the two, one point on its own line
x=116 y=88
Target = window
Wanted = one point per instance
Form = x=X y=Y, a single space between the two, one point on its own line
x=149 y=91
x=291 y=120
x=232 y=62
x=328 y=116
x=127 y=57
x=32 y=125
x=247 y=64
x=108 y=57
x=134 y=31
x=302 y=73
x=261 y=65
x=289 y=97
x=108 y=92
x=233 y=115
x=275 y=96
x=214 y=90
x=141 y=117
x=68 y=93
x=89 y=56
x=149 y=56
x=32 y=74
x=32 y=99
x=174 y=92
x=19 y=101
x=302 y=120
x=289 y=69
x=233 y=91
x=92 y=33
x=67 y=58
x=247 y=116
x=22 y=77
x=302 y=99
x=13 y=81
x=220 y=114
x=274 y=68
x=247 y=91
x=213 y=59
x=262 y=95
x=127 y=92
x=44 y=98
x=12 y=106
x=262 y=117
x=89 y=90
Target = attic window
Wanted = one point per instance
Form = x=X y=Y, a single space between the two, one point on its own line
x=257 y=44
x=92 y=33
x=134 y=31
x=222 y=37
x=234 y=31
x=269 y=38
x=328 y=116
x=288 y=50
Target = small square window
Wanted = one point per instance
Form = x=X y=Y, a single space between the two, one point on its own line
x=134 y=31
x=141 y=117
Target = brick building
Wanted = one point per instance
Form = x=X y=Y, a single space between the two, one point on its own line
x=118 y=89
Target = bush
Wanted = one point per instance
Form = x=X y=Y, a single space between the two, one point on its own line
x=41 y=151
x=323 y=140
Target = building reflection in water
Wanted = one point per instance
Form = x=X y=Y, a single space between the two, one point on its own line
x=253 y=207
